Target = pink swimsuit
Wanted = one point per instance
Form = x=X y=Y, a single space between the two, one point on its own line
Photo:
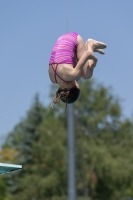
x=64 y=51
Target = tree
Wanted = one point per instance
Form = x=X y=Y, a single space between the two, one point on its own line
x=2 y=188
x=7 y=155
x=104 y=143
x=41 y=153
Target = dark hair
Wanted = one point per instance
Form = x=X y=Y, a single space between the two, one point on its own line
x=67 y=95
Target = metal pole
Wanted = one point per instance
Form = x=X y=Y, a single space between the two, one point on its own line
x=71 y=153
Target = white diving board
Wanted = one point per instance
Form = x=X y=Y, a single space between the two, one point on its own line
x=6 y=168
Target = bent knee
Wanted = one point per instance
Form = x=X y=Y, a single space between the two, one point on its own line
x=87 y=74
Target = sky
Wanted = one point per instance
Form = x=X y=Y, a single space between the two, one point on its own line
x=28 y=31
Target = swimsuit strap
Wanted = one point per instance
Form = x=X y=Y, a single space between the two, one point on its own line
x=55 y=73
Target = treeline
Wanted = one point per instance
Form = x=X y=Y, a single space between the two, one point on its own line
x=104 y=150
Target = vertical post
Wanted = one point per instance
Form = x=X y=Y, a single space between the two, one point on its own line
x=71 y=140
x=71 y=153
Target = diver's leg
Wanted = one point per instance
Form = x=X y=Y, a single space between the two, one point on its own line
x=91 y=45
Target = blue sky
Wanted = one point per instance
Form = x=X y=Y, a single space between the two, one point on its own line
x=28 y=30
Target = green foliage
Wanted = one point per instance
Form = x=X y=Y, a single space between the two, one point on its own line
x=104 y=149
x=41 y=141
x=2 y=188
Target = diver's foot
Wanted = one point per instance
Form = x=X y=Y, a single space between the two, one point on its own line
x=95 y=46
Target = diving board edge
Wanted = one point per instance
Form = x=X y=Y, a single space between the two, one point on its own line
x=7 y=168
